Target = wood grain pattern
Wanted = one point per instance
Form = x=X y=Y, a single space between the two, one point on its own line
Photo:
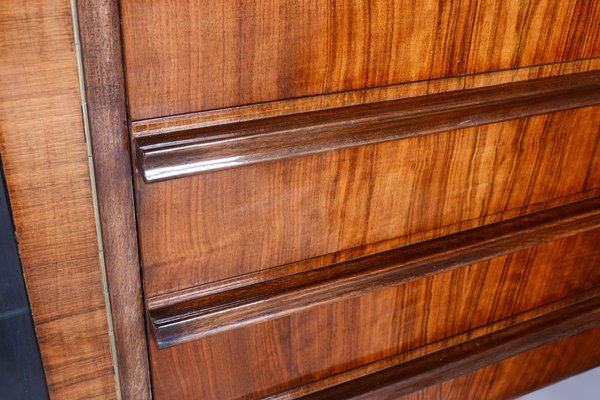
x=189 y=152
x=253 y=52
x=99 y=28
x=355 y=97
x=520 y=374
x=314 y=344
x=47 y=171
x=181 y=296
x=452 y=362
x=276 y=298
x=408 y=356
x=228 y=223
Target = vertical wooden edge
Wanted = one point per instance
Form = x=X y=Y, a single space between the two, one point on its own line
x=103 y=73
x=45 y=160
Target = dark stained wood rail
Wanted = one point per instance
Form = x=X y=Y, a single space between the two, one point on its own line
x=451 y=362
x=219 y=312
x=177 y=154
x=99 y=29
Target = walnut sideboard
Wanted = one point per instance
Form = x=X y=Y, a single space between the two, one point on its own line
x=352 y=199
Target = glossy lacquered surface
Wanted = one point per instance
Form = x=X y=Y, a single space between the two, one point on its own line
x=519 y=374
x=188 y=152
x=369 y=243
x=467 y=357
x=214 y=226
x=231 y=309
x=299 y=105
x=309 y=226
x=318 y=343
x=188 y=56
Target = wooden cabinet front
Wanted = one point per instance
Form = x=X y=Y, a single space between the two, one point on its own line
x=200 y=229
x=361 y=199
x=272 y=355
x=276 y=199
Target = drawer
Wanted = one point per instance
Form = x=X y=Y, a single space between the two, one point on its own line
x=191 y=55
x=529 y=292
x=463 y=223
x=307 y=199
x=296 y=213
x=507 y=379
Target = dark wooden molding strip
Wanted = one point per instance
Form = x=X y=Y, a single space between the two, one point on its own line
x=99 y=29
x=230 y=309
x=188 y=152
x=471 y=355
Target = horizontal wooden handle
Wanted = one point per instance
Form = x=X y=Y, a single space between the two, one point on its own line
x=171 y=155
x=218 y=312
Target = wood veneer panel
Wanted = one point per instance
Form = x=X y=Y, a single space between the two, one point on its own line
x=467 y=357
x=44 y=152
x=314 y=344
x=99 y=27
x=189 y=152
x=422 y=351
x=276 y=298
x=189 y=56
x=228 y=223
x=520 y=374
x=356 y=97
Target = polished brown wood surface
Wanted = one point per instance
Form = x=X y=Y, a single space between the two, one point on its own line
x=251 y=112
x=464 y=358
x=520 y=374
x=252 y=282
x=46 y=163
x=99 y=29
x=231 y=309
x=304 y=216
x=209 y=227
x=314 y=344
x=189 y=56
x=422 y=351
x=347 y=199
x=188 y=152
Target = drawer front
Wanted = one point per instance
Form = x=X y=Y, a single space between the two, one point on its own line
x=517 y=375
x=189 y=55
x=280 y=354
x=218 y=225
